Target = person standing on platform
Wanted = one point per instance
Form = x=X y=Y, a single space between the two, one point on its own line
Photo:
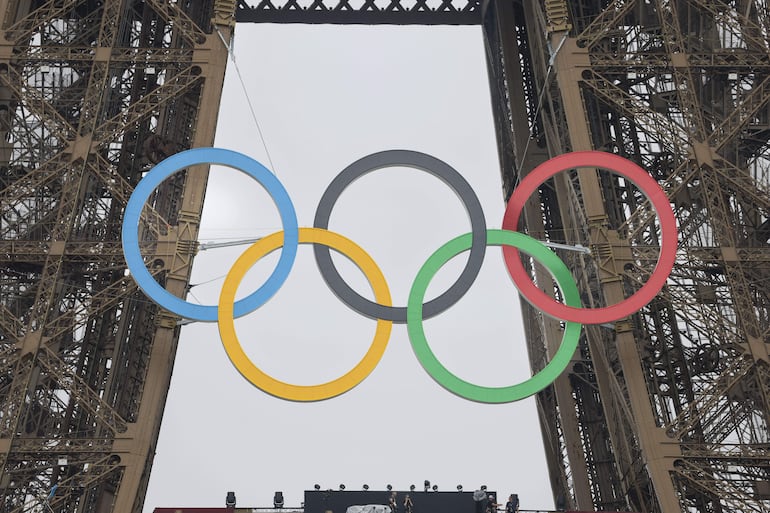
x=392 y=502
x=408 y=504
x=512 y=506
x=480 y=499
x=491 y=504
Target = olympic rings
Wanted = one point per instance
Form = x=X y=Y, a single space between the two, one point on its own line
x=171 y=165
x=269 y=384
x=438 y=169
x=460 y=387
x=382 y=310
x=648 y=186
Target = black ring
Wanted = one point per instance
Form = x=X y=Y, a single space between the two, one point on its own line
x=423 y=162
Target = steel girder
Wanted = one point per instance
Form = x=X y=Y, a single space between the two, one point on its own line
x=665 y=411
x=92 y=94
x=672 y=404
x=361 y=12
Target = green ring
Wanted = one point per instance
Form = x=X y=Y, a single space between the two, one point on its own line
x=444 y=377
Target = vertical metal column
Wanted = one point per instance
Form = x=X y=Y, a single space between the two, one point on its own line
x=514 y=97
x=92 y=94
x=672 y=403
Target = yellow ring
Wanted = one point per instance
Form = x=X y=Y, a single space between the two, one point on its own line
x=303 y=392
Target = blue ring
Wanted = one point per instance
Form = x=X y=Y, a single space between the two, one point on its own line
x=169 y=166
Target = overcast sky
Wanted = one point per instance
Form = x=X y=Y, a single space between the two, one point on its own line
x=326 y=96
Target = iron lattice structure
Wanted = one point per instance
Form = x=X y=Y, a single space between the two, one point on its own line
x=666 y=411
x=92 y=94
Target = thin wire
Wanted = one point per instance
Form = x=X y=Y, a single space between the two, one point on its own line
x=193 y=295
x=231 y=53
x=551 y=61
x=191 y=285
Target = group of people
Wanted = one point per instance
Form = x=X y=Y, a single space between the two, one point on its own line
x=392 y=502
x=487 y=504
x=484 y=503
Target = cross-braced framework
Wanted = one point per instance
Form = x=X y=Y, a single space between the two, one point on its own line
x=669 y=410
x=374 y=12
x=92 y=94
x=666 y=411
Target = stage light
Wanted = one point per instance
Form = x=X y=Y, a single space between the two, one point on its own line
x=317 y=487
x=459 y=488
x=366 y=487
x=342 y=486
x=426 y=485
x=411 y=488
x=435 y=488
x=389 y=487
x=278 y=499
x=230 y=500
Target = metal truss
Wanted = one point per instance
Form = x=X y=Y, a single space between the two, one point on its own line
x=361 y=12
x=666 y=411
x=92 y=94
x=669 y=410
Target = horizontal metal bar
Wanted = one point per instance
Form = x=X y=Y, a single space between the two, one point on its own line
x=339 y=12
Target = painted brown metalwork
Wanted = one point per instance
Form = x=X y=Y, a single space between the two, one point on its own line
x=364 y=12
x=91 y=95
x=666 y=411
x=671 y=405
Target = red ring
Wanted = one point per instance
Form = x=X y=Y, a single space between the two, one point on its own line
x=648 y=186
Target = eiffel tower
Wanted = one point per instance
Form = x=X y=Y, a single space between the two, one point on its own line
x=665 y=411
